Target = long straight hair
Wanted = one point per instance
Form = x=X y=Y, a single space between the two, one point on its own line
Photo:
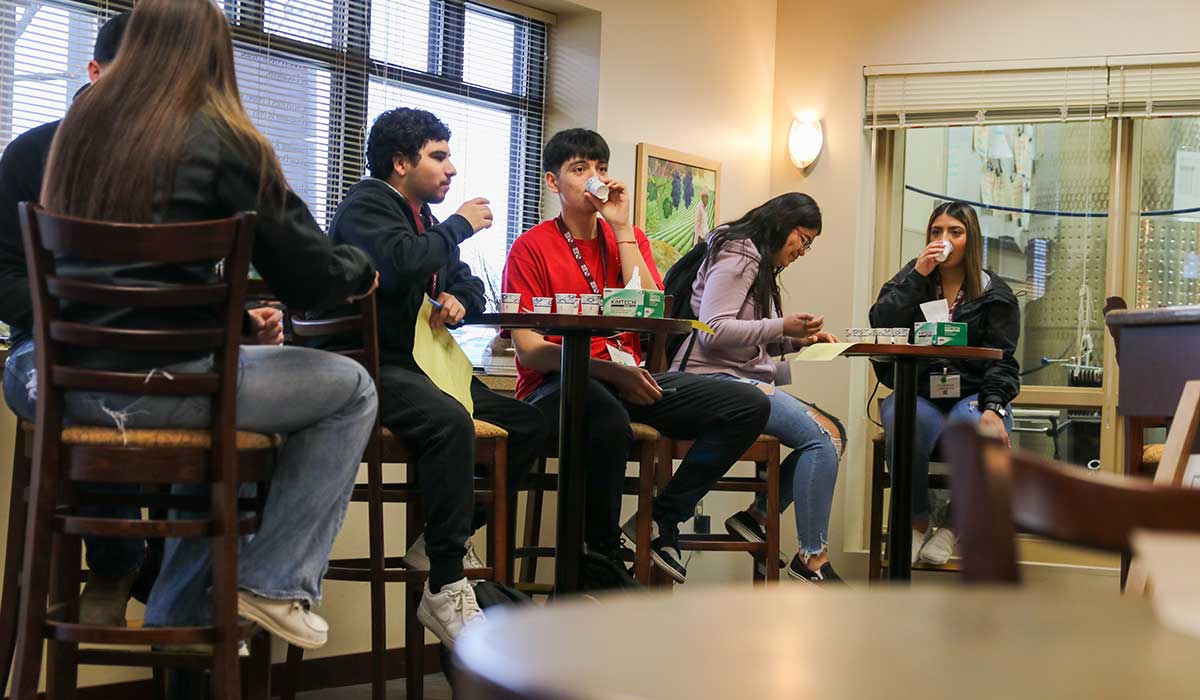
x=768 y=226
x=121 y=142
x=973 y=255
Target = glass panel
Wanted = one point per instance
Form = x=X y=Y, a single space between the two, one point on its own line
x=1168 y=271
x=1069 y=435
x=488 y=60
x=1047 y=250
x=305 y=20
x=400 y=32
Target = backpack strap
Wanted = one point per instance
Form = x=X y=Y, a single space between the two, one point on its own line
x=688 y=352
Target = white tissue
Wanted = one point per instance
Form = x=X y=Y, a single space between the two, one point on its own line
x=635 y=280
x=937 y=310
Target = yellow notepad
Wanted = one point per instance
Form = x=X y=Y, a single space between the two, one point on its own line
x=442 y=360
x=822 y=352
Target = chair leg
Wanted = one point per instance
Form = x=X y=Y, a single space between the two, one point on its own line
x=645 y=509
x=377 y=554
x=226 y=670
x=62 y=668
x=498 y=516
x=534 y=501
x=14 y=554
x=293 y=668
x=35 y=569
x=257 y=678
x=875 y=526
x=414 y=646
x=772 y=555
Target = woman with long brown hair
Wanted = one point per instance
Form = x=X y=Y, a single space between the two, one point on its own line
x=161 y=137
x=974 y=391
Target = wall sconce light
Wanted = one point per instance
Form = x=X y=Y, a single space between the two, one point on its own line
x=805 y=141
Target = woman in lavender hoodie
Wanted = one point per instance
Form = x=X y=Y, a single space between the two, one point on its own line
x=737 y=293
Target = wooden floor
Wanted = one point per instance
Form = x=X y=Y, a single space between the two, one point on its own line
x=436 y=688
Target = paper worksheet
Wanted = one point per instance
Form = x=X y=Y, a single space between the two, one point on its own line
x=442 y=360
x=822 y=352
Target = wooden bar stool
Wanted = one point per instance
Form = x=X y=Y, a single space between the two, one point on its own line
x=356 y=336
x=66 y=458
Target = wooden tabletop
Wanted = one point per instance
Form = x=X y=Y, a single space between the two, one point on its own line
x=932 y=352
x=560 y=323
x=791 y=641
x=1166 y=316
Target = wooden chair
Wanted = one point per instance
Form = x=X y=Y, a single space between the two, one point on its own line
x=1140 y=458
x=881 y=479
x=357 y=337
x=65 y=458
x=1002 y=492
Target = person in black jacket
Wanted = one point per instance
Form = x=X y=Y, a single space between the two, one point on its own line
x=163 y=137
x=974 y=391
x=387 y=215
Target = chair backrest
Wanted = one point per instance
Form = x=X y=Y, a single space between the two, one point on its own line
x=656 y=357
x=998 y=492
x=49 y=238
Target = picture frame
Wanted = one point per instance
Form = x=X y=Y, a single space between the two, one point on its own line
x=674 y=191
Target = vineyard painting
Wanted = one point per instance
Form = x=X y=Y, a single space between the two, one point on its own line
x=677 y=196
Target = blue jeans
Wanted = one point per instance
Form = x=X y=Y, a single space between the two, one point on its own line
x=811 y=468
x=111 y=557
x=931 y=421
x=324 y=406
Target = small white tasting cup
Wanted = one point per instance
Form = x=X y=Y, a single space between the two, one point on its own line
x=567 y=304
x=589 y=304
x=542 y=305
x=510 y=302
x=598 y=189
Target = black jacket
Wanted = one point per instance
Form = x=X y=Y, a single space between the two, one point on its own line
x=21 y=171
x=377 y=219
x=993 y=321
x=213 y=180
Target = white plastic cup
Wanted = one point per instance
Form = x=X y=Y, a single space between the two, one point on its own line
x=947 y=249
x=567 y=304
x=883 y=336
x=510 y=302
x=543 y=305
x=598 y=189
x=589 y=304
x=900 y=336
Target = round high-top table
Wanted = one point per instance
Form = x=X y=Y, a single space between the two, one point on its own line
x=905 y=358
x=577 y=333
x=793 y=641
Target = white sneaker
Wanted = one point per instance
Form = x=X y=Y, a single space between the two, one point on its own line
x=939 y=547
x=919 y=539
x=416 y=558
x=449 y=611
x=289 y=620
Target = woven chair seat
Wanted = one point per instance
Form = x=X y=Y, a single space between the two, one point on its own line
x=1152 y=454
x=164 y=438
x=483 y=430
x=641 y=431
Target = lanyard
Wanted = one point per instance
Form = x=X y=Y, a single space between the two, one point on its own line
x=958 y=298
x=583 y=266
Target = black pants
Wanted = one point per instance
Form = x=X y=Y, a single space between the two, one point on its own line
x=724 y=418
x=443 y=434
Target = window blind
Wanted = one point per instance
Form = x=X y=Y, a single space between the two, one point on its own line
x=1146 y=86
x=942 y=96
x=314 y=74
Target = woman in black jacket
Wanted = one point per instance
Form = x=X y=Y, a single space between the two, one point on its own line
x=975 y=391
x=163 y=136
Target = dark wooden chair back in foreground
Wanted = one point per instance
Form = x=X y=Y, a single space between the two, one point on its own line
x=356 y=335
x=998 y=492
x=66 y=459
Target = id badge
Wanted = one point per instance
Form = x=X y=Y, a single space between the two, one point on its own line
x=620 y=356
x=945 y=386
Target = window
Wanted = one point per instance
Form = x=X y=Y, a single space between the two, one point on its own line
x=1045 y=231
x=315 y=73
x=1168 y=223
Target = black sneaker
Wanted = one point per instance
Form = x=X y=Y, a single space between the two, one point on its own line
x=742 y=524
x=664 y=551
x=825 y=577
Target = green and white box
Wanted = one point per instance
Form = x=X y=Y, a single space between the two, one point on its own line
x=623 y=302
x=654 y=304
x=940 y=333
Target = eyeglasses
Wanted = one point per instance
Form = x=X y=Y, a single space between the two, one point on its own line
x=808 y=243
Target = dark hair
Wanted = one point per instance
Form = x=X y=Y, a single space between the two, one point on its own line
x=768 y=226
x=573 y=143
x=401 y=132
x=973 y=255
x=108 y=39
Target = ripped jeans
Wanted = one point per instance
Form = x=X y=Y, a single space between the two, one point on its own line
x=324 y=406
x=110 y=557
x=811 y=468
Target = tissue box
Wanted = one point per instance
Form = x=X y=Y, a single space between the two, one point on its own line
x=654 y=304
x=940 y=333
x=623 y=302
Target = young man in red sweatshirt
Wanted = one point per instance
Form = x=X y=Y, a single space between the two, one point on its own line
x=590 y=246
